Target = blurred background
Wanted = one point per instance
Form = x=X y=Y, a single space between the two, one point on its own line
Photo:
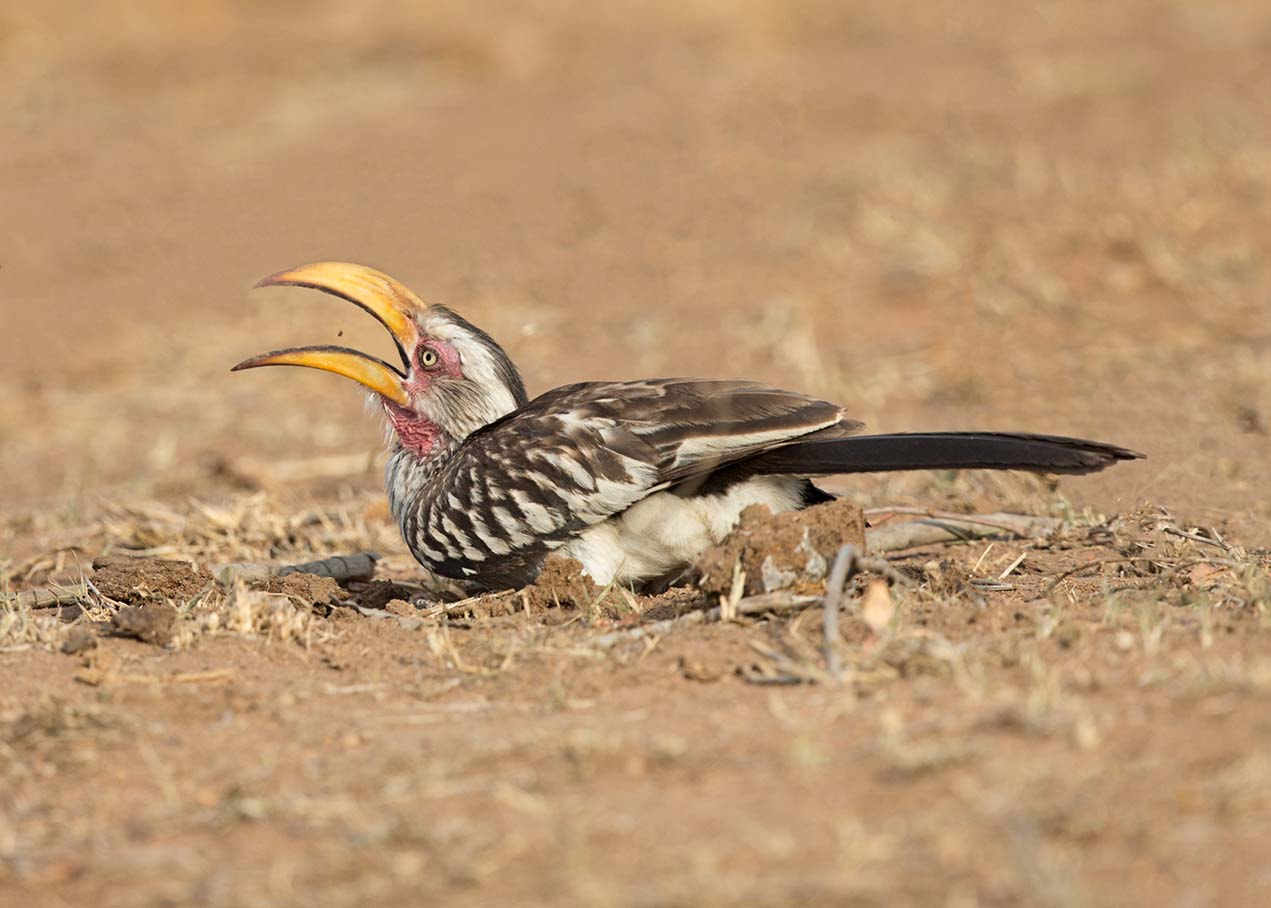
x=1050 y=216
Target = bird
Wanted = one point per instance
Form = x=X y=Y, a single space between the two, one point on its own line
x=634 y=480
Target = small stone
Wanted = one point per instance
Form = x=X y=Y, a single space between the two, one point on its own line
x=309 y=588
x=153 y=623
x=247 y=571
x=401 y=608
x=78 y=640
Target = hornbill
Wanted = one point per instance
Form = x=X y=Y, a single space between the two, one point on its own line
x=633 y=479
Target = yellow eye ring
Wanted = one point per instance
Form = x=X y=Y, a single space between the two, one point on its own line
x=428 y=358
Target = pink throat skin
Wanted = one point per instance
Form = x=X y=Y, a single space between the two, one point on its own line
x=417 y=434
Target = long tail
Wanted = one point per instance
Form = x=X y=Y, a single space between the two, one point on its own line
x=943 y=451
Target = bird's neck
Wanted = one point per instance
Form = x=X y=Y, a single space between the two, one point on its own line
x=425 y=437
x=418 y=449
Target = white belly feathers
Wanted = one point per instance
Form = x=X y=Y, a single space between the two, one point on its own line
x=665 y=533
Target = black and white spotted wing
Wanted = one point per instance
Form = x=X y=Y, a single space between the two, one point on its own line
x=575 y=456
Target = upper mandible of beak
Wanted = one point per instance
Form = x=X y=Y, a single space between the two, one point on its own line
x=391 y=303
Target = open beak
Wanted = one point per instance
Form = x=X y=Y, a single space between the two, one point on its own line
x=390 y=302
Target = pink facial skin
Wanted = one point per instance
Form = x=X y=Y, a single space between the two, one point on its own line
x=417 y=433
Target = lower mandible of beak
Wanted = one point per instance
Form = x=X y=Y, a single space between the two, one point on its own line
x=366 y=370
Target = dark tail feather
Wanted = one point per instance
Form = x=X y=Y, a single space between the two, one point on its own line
x=943 y=451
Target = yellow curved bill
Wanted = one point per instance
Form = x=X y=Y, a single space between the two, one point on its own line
x=366 y=370
x=394 y=304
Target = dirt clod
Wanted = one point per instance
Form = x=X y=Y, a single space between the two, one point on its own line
x=561 y=584
x=310 y=588
x=401 y=608
x=151 y=623
x=140 y=581
x=783 y=550
x=78 y=640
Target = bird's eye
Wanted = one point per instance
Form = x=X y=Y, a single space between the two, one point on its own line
x=428 y=358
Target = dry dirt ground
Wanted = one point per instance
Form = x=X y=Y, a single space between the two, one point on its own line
x=1051 y=216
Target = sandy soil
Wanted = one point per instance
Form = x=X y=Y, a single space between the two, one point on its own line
x=1043 y=216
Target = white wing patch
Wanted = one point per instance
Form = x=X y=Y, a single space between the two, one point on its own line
x=694 y=450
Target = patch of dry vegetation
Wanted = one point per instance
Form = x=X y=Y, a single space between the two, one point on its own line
x=1143 y=565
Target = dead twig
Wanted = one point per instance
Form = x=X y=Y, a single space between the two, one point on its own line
x=48 y=598
x=1020 y=524
x=844 y=567
x=1122 y=559
x=1196 y=537
x=1010 y=568
x=940 y=527
x=848 y=563
x=465 y=604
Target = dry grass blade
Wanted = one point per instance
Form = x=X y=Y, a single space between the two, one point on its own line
x=1010 y=568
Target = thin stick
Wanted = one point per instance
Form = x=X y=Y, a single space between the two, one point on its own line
x=1196 y=537
x=47 y=598
x=439 y=610
x=1020 y=524
x=1012 y=566
x=844 y=565
x=1050 y=587
x=938 y=530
